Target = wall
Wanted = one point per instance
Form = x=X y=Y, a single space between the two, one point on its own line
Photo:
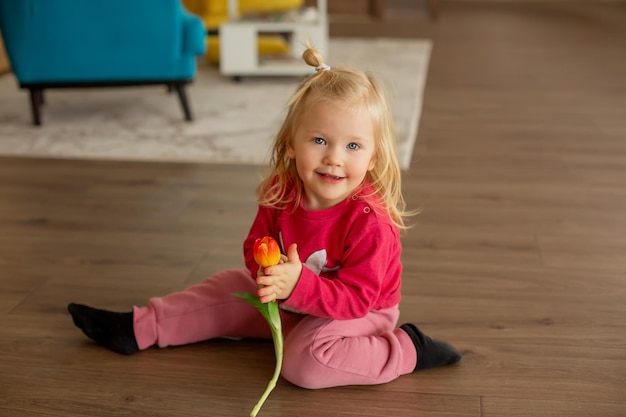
x=345 y=6
x=543 y=1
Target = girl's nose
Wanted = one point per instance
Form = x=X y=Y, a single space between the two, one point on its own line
x=333 y=156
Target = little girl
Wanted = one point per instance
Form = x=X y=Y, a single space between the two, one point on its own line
x=333 y=201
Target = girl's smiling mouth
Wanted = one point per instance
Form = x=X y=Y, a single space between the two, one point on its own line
x=329 y=177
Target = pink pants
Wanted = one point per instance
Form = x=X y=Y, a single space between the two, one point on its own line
x=318 y=352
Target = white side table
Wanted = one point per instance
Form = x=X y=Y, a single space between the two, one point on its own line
x=239 y=54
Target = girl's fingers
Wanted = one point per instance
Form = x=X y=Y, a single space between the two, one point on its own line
x=266 y=291
x=268 y=299
x=264 y=280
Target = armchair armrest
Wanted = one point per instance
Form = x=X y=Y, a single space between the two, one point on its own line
x=194 y=34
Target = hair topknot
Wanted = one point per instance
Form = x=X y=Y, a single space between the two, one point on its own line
x=312 y=57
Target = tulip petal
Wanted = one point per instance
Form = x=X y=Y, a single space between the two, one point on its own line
x=266 y=251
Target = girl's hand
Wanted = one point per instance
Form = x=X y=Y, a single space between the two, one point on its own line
x=277 y=282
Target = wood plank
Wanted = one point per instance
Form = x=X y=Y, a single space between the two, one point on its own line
x=493 y=407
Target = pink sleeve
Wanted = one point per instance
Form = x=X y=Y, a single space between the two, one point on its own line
x=372 y=258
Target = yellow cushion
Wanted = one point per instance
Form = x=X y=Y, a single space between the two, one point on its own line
x=268 y=45
x=215 y=12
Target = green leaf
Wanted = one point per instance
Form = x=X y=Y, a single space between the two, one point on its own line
x=250 y=298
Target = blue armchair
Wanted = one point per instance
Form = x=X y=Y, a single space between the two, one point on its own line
x=99 y=43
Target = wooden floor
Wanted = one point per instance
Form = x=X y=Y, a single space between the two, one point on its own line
x=518 y=258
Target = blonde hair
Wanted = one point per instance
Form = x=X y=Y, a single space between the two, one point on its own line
x=346 y=85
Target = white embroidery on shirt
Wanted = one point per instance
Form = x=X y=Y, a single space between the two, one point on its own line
x=317 y=262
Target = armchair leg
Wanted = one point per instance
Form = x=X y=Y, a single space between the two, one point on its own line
x=182 y=95
x=36 y=100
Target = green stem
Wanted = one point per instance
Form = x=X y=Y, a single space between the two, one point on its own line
x=278 y=349
x=272 y=315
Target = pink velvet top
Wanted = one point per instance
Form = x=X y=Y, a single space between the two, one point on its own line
x=351 y=255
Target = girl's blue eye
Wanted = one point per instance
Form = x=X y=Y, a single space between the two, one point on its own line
x=353 y=146
x=319 y=141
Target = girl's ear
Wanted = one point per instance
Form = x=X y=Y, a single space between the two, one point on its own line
x=372 y=163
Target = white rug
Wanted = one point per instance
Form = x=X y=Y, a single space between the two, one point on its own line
x=233 y=122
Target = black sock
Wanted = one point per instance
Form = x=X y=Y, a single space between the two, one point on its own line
x=109 y=329
x=430 y=353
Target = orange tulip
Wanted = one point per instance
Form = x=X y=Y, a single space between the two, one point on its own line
x=266 y=252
